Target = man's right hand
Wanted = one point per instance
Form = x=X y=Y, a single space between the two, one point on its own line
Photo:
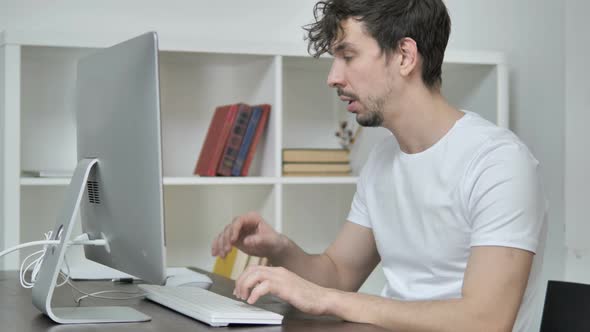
x=252 y=235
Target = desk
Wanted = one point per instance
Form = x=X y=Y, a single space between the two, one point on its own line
x=17 y=312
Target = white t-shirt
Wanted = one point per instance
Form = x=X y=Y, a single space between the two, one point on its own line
x=477 y=186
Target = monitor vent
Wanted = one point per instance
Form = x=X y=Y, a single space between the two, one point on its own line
x=93 y=192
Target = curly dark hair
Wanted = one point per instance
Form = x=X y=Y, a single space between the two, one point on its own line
x=388 y=21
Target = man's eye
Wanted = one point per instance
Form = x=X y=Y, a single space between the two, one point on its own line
x=347 y=58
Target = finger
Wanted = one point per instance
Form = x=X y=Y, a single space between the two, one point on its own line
x=225 y=239
x=215 y=247
x=252 y=240
x=246 y=221
x=259 y=290
x=236 y=227
x=221 y=252
x=248 y=279
x=241 y=279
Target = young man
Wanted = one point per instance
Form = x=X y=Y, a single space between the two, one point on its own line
x=451 y=205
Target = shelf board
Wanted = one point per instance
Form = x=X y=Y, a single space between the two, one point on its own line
x=175 y=42
x=168 y=181
x=214 y=180
x=218 y=180
x=34 y=181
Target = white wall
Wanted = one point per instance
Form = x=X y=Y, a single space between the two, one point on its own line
x=577 y=119
x=530 y=32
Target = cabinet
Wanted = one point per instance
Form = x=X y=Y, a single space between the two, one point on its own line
x=37 y=131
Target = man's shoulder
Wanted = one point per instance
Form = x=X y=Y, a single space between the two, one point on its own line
x=475 y=130
x=482 y=139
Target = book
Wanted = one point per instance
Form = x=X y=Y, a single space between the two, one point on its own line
x=316 y=168
x=247 y=141
x=315 y=156
x=254 y=132
x=239 y=264
x=224 y=266
x=253 y=260
x=317 y=174
x=234 y=141
x=217 y=135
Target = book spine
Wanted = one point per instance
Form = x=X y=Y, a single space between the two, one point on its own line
x=234 y=141
x=316 y=167
x=315 y=155
x=247 y=141
x=239 y=265
x=257 y=136
x=217 y=135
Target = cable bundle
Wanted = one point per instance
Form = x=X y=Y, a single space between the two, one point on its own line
x=34 y=261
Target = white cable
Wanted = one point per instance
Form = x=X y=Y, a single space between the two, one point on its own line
x=35 y=264
x=28 y=244
x=39 y=255
x=97 y=294
x=99 y=242
x=23 y=270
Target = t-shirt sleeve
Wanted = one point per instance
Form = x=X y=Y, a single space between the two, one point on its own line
x=359 y=213
x=504 y=200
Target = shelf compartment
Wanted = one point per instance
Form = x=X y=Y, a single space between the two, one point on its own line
x=195 y=215
x=193 y=85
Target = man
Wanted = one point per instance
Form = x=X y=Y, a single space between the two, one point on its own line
x=454 y=210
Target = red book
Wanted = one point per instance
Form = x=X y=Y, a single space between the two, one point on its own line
x=217 y=135
x=257 y=135
x=232 y=146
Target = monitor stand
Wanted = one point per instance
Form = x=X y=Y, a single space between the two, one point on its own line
x=54 y=257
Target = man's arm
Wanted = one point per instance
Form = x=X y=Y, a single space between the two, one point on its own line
x=494 y=284
x=344 y=265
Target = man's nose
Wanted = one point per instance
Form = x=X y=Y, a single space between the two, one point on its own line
x=335 y=77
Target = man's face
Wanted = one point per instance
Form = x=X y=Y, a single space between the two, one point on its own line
x=361 y=74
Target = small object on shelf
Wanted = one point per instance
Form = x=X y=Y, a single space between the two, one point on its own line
x=346 y=136
x=48 y=173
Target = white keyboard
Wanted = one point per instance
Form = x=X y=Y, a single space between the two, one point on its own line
x=209 y=307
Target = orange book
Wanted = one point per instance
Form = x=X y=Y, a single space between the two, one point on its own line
x=217 y=135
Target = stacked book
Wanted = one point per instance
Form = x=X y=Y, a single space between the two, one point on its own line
x=231 y=140
x=316 y=162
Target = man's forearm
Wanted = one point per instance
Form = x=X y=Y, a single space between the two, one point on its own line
x=319 y=269
x=453 y=315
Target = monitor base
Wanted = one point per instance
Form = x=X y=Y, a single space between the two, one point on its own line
x=54 y=258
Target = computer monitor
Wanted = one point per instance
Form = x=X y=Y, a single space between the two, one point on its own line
x=118 y=181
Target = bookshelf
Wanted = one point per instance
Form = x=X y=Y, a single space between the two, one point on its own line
x=37 y=131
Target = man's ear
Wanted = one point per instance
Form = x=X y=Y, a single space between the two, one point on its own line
x=409 y=56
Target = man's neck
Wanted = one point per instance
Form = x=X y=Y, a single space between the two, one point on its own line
x=421 y=120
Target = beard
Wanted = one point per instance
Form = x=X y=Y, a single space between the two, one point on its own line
x=373 y=117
